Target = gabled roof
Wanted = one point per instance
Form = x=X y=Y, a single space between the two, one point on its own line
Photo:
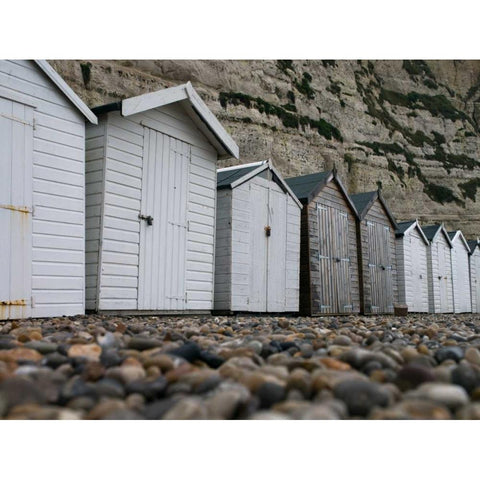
x=403 y=228
x=364 y=201
x=232 y=177
x=454 y=236
x=307 y=187
x=68 y=92
x=432 y=231
x=473 y=244
x=229 y=175
x=194 y=106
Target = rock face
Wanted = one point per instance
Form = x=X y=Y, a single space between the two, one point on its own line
x=409 y=127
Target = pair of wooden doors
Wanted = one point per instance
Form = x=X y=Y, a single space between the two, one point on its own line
x=380 y=267
x=418 y=277
x=163 y=227
x=16 y=150
x=268 y=244
x=333 y=292
x=444 y=273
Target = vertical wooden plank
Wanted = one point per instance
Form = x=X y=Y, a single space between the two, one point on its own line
x=258 y=242
x=276 y=250
x=16 y=149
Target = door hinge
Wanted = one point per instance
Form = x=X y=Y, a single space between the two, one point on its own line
x=19 y=120
x=32 y=302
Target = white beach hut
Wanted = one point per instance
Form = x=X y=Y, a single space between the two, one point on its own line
x=475 y=274
x=42 y=192
x=439 y=262
x=151 y=198
x=411 y=246
x=462 y=295
x=258 y=241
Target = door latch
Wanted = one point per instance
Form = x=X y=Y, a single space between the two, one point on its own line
x=268 y=230
x=147 y=218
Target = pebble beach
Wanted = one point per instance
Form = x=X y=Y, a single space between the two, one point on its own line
x=98 y=367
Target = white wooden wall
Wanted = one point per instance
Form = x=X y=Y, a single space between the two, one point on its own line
x=475 y=279
x=119 y=227
x=411 y=253
x=223 y=251
x=439 y=247
x=235 y=258
x=58 y=190
x=462 y=300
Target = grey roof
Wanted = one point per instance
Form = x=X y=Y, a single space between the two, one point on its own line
x=303 y=187
x=226 y=178
x=473 y=244
x=452 y=235
x=362 y=200
x=402 y=227
x=430 y=231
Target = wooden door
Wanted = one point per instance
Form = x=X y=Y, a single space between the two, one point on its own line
x=16 y=147
x=259 y=248
x=414 y=274
x=463 y=279
x=323 y=298
x=163 y=227
x=442 y=279
x=380 y=267
x=342 y=262
x=334 y=290
x=276 y=249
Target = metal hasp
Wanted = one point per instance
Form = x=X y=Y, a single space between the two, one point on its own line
x=268 y=230
x=147 y=218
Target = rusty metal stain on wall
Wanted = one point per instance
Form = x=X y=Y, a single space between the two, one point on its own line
x=17 y=209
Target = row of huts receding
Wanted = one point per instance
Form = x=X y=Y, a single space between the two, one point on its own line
x=121 y=208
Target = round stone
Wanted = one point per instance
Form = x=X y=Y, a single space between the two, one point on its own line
x=410 y=376
x=360 y=396
x=270 y=393
x=452 y=396
x=473 y=355
x=449 y=353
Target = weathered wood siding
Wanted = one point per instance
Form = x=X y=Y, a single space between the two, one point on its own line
x=475 y=279
x=120 y=243
x=293 y=257
x=411 y=256
x=94 y=194
x=58 y=197
x=462 y=300
x=333 y=287
x=440 y=287
x=377 y=215
x=223 y=251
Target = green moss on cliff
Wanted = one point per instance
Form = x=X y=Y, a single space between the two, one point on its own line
x=441 y=194
x=469 y=188
x=288 y=118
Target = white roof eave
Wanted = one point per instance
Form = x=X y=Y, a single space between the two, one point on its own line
x=68 y=92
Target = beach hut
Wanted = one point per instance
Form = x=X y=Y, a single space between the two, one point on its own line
x=42 y=192
x=376 y=253
x=257 y=258
x=475 y=274
x=462 y=295
x=151 y=198
x=439 y=263
x=329 y=281
x=411 y=250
